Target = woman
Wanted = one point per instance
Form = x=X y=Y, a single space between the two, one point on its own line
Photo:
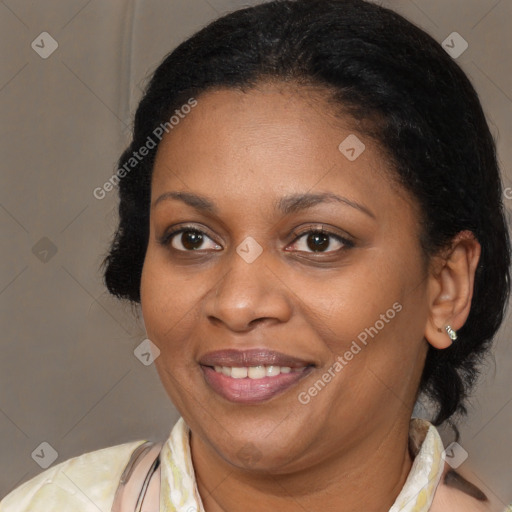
x=311 y=220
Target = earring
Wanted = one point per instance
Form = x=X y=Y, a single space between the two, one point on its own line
x=451 y=332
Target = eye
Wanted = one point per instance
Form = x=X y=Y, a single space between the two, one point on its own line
x=190 y=239
x=320 y=240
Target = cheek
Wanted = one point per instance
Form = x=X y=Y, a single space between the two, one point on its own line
x=153 y=297
x=375 y=321
x=164 y=300
x=171 y=306
x=359 y=298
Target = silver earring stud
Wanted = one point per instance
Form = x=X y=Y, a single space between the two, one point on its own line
x=451 y=332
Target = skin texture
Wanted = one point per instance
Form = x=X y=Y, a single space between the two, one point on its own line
x=244 y=151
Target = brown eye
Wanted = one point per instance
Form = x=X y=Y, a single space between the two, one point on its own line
x=321 y=241
x=190 y=240
x=187 y=239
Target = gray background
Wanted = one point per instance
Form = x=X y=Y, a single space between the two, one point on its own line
x=68 y=374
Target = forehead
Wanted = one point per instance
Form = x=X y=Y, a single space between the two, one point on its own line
x=280 y=116
x=268 y=141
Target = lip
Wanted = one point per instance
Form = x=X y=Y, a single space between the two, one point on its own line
x=251 y=357
x=252 y=391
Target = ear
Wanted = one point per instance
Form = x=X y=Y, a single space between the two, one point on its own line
x=450 y=288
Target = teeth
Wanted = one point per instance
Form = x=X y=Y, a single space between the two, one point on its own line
x=254 y=372
x=239 y=373
x=270 y=371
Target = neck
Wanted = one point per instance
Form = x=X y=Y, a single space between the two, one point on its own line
x=367 y=477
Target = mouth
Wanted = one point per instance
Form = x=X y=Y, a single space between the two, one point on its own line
x=252 y=376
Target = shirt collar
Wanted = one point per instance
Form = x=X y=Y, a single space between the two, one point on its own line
x=427 y=468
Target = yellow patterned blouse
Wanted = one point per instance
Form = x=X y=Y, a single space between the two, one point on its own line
x=87 y=483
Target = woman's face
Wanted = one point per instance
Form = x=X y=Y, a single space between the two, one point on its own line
x=331 y=325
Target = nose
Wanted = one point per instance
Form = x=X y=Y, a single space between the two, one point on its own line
x=249 y=294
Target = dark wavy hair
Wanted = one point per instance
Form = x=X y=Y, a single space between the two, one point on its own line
x=414 y=100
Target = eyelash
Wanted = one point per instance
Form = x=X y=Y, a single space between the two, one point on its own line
x=166 y=239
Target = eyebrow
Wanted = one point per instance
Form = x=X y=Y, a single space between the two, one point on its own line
x=288 y=204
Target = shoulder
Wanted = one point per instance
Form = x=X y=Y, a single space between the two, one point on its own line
x=83 y=483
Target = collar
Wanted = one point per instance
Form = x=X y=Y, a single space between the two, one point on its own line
x=426 y=446
x=180 y=492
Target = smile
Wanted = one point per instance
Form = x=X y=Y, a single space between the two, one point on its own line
x=254 y=375
x=254 y=372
